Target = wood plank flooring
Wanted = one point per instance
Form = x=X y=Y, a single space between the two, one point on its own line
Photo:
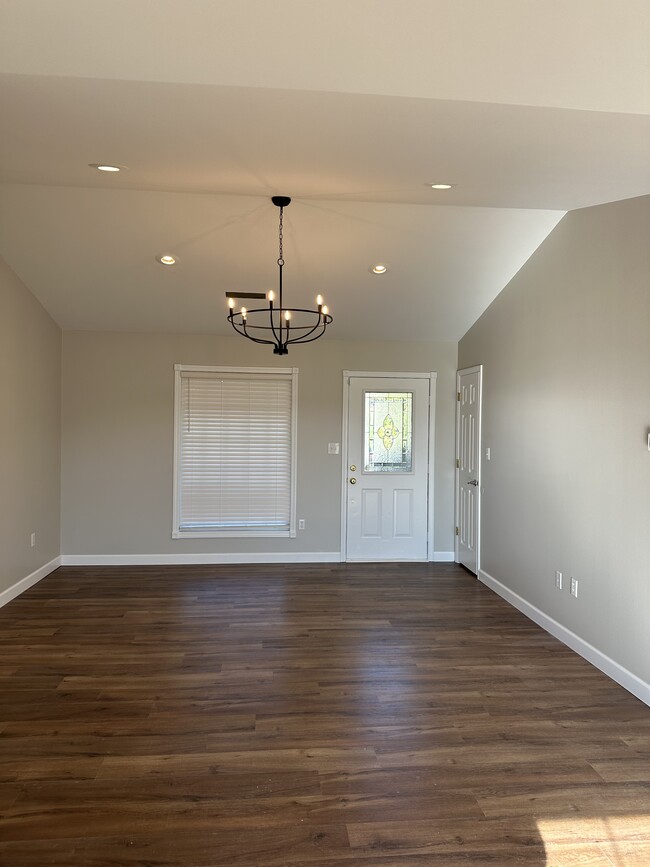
x=307 y=716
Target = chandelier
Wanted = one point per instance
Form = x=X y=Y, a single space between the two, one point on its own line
x=277 y=325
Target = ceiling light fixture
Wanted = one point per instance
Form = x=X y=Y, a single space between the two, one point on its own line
x=379 y=268
x=167 y=259
x=105 y=167
x=441 y=186
x=286 y=325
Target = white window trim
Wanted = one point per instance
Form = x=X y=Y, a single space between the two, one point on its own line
x=221 y=534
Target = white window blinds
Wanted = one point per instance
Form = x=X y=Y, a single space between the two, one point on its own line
x=235 y=445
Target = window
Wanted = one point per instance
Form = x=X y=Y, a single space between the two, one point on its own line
x=234 y=451
x=387 y=431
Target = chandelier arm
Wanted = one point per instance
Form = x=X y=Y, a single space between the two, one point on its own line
x=324 y=319
x=277 y=339
x=251 y=310
x=246 y=326
x=307 y=340
x=260 y=340
x=254 y=339
x=244 y=331
x=236 y=327
x=310 y=331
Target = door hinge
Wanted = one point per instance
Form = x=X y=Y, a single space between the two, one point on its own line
x=457 y=531
x=457 y=395
x=457 y=463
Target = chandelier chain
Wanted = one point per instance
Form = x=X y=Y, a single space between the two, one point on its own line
x=281 y=238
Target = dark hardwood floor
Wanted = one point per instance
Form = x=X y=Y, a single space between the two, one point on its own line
x=361 y=715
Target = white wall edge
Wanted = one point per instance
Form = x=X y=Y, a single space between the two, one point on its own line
x=197 y=559
x=443 y=557
x=25 y=583
x=608 y=666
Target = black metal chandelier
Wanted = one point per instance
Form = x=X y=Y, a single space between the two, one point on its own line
x=277 y=325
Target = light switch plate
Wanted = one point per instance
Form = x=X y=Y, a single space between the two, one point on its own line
x=333 y=448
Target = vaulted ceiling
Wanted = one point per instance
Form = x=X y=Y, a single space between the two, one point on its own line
x=529 y=109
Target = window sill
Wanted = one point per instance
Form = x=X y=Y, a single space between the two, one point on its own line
x=233 y=534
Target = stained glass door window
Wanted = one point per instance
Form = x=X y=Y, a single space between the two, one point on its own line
x=388 y=428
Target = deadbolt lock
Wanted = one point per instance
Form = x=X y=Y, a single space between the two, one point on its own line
x=353 y=468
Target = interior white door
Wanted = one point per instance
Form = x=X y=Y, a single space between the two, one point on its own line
x=468 y=463
x=387 y=468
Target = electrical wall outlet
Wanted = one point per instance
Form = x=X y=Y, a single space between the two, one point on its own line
x=558 y=580
x=574 y=587
x=301 y=523
x=32 y=540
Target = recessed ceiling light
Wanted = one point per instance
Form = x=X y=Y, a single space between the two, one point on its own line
x=379 y=268
x=105 y=167
x=440 y=186
x=167 y=259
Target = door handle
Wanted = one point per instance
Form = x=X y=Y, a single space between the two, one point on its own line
x=353 y=481
x=473 y=482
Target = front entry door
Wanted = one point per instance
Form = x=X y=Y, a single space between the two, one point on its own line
x=468 y=463
x=387 y=468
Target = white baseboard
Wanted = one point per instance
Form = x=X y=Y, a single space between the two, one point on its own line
x=608 y=666
x=216 y=559
x=25 y=583
x=197 y=559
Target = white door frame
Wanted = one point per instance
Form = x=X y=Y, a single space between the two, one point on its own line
x=478 y=368
x=379 y=374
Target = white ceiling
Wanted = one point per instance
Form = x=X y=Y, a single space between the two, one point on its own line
x=530 y=109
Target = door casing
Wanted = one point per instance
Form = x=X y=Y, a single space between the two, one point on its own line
x=397 y=375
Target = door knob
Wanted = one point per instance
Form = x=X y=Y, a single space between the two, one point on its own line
x=473 y=482
x=353 y=481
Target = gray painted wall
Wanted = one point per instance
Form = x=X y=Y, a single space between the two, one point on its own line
x=118 y=428
x=30 y=431
x=566 y=355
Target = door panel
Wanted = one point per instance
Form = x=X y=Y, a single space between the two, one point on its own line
x=371 y=513
x=468 y=468
x=403 y=513
x=388 y=447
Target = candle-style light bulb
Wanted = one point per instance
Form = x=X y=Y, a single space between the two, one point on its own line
x=325 y=310
x=243 y=313
x=319 y=300
x=231 y=303
x=270 y=295
x=287 y=315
